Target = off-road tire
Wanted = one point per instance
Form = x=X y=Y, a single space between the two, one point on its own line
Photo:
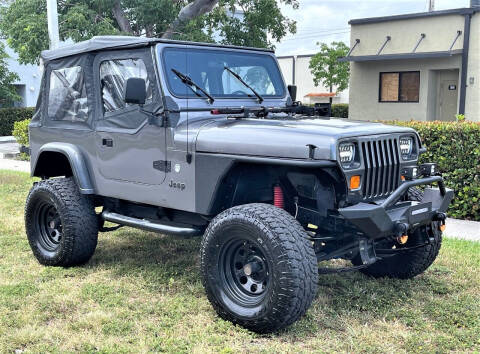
x=289 y=256
x=76 y=221
x=409 y=263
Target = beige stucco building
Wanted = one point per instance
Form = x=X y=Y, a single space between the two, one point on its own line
x=422 y=66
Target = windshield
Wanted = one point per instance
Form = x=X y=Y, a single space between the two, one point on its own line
x=207 y=69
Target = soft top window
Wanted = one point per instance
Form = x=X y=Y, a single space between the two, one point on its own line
x=206 y=67
x=113 y=76
x=67 y=99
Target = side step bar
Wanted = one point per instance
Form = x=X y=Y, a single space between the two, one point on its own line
x=150 y=226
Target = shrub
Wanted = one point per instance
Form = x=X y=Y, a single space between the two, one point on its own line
x=340 y=110
x=20 y=132
x=8 y=116
x=456 y=149
x=460 y=117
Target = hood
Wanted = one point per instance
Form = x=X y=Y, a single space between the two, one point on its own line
x=284 y=138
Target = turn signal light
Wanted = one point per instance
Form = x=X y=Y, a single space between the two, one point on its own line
x=443 y=227
x=354 y=182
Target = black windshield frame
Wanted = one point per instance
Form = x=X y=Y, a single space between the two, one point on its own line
x=275 y=76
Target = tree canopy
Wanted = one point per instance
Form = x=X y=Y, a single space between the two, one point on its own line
x=257 y=23
x=8 y=94
x=327 y=70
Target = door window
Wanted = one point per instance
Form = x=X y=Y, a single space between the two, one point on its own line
x=113 y=76
x=67 y=99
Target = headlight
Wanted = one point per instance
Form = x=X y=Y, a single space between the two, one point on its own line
x=346 y=152
x=406 y=146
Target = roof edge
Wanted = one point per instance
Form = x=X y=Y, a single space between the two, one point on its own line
x=459 y=11
x=417 y=55
x=118 y=42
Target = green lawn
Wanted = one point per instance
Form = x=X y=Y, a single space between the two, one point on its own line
x=142 y=292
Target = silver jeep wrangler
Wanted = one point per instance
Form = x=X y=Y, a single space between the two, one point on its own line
x=199 y=139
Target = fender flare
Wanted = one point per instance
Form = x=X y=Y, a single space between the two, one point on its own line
x=77 y=164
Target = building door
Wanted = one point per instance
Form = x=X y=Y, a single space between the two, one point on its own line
x=448 y=96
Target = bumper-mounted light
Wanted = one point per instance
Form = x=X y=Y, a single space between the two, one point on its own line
x=428 y=169
x=410 y=173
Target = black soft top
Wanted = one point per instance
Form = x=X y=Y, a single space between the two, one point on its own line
x=111 y=42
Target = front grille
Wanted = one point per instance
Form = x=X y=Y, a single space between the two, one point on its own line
x=382 y=167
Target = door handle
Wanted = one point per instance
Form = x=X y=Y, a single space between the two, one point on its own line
x=107 y=142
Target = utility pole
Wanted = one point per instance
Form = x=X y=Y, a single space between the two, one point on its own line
x=431 y=5
x=52 y=16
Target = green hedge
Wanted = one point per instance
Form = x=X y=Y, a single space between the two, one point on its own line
x=340 y=110
x=8 y=116
x=456 y=149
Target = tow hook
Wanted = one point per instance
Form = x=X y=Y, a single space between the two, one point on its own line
x=401 y=228
x=401 y=232
x=441 y=217
x=402 y=239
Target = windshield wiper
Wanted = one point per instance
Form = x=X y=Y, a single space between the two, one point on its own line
x=189 y=82
x=239 y=78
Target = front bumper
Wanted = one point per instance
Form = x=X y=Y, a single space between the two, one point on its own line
x=393 y=218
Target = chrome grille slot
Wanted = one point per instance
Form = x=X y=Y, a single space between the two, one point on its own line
x=382 y=167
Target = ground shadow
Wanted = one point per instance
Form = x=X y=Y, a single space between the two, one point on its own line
x=135 y=253
x=341 y=297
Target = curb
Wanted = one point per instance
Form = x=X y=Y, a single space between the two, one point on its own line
x=463 y=229
x=9 y=155
x=7 y=140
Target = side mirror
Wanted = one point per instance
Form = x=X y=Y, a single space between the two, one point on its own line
x=292 y=90
x=135 y=91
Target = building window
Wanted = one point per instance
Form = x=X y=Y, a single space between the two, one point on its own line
x=400 y=86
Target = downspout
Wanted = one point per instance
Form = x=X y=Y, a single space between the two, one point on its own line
x=294 y=68
x=466 y=49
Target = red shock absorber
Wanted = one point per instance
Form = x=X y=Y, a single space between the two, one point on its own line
x=278 y=199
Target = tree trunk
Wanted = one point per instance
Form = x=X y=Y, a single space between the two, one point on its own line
x=189 y=12
x=122 y=21
x=331 y=98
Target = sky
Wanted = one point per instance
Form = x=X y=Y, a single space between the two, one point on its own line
x=327 y=20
